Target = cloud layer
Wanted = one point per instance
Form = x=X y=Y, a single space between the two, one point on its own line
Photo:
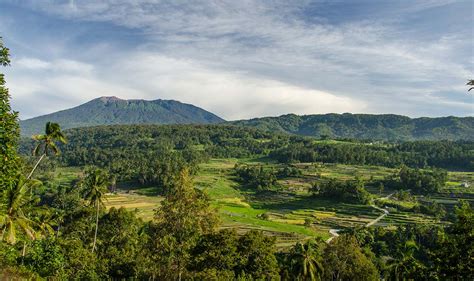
x=244 y=59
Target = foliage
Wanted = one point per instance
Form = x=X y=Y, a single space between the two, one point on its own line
x=346 y=191
x=256 y=177
x=344 y=260
x=421 y=154
x=183 y=217
x=45 y=257
x=458 y=261
x=14 y=211
x=46 y=143
x=120 y=242
x=9 y=130
x=257 y=254
x=305 y=260
x=366 y=126
x=216 y=251
x=95 y=185
x=420 y=181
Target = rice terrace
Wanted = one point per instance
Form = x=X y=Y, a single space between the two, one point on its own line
x=237 y=140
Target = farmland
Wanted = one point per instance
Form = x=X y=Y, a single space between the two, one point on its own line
x=291 y=213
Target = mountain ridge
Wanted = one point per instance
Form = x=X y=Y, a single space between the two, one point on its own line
x=110 y=110
x=367 y=126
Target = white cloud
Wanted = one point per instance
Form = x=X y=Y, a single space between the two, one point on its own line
x=254 y=58
x=32 y=63
x=231 y=95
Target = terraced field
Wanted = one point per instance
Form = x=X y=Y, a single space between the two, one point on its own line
x=290 y=214
x=143 y=205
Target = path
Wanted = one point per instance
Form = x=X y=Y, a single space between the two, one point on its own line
x=334 y=231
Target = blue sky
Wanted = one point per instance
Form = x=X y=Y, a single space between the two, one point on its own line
x=243 y=59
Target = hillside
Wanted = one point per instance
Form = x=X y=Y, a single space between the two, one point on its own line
x=112 y=110
x=366 y=126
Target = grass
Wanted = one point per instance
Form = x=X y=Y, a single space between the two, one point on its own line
x=144 y=206
x=290 y=214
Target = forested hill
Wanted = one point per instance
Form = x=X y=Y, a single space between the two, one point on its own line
x=366 y=126
x=112 y=110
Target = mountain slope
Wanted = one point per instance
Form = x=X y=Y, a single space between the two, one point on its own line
x=112 y=110
x=366 y=126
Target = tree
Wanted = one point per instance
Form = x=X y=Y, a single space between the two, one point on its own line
x=9 y=130
x=257 y=253
x=95 y=184
x=344 y=260
x=305 y=261
x=183 y=217
x=405 y=265
x=120 y=237
x=216 y=252
x=455 y=256
x=47 y=143
x=13 y=216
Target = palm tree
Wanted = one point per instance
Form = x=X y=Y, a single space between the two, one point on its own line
x=405 y=263
x=305 y=262
x=95 y=184
x=16 y=199
x=47 y=143
x=470 y=83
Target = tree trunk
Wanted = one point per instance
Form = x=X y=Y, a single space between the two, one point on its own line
x=23 y=252
x=34 y=168
x=96 y=226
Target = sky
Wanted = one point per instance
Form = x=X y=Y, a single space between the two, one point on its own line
x=243 y=59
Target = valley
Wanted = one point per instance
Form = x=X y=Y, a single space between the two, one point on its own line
x=292 y=214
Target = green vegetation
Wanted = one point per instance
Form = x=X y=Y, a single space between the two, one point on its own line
x=112 y=110
x=220 y=202
x=348 y=191
x=9 y=130
x=387 y=127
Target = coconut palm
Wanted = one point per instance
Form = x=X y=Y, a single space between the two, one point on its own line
x=404 y=263
x=47 y=143
x=16 y=200
x=471 y=84
x=95 y=185
x=305 y=262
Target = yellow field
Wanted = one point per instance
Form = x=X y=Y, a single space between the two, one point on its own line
x=144 y=205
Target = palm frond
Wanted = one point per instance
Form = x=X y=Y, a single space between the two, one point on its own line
x=53 y=147
x=36 y=150
x=470 y=83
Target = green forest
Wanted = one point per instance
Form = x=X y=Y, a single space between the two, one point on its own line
x=230 y=202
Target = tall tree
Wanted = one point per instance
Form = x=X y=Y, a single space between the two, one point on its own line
x=455 y=256
x=183 y=217
x=13 y=216
x=405 y=265
x=9 y=130
x=345 y=260
x=306 y=261
x=47 y=143
x=257 y=254
x=95 y=185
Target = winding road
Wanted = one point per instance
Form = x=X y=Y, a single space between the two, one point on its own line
x=334 y=231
